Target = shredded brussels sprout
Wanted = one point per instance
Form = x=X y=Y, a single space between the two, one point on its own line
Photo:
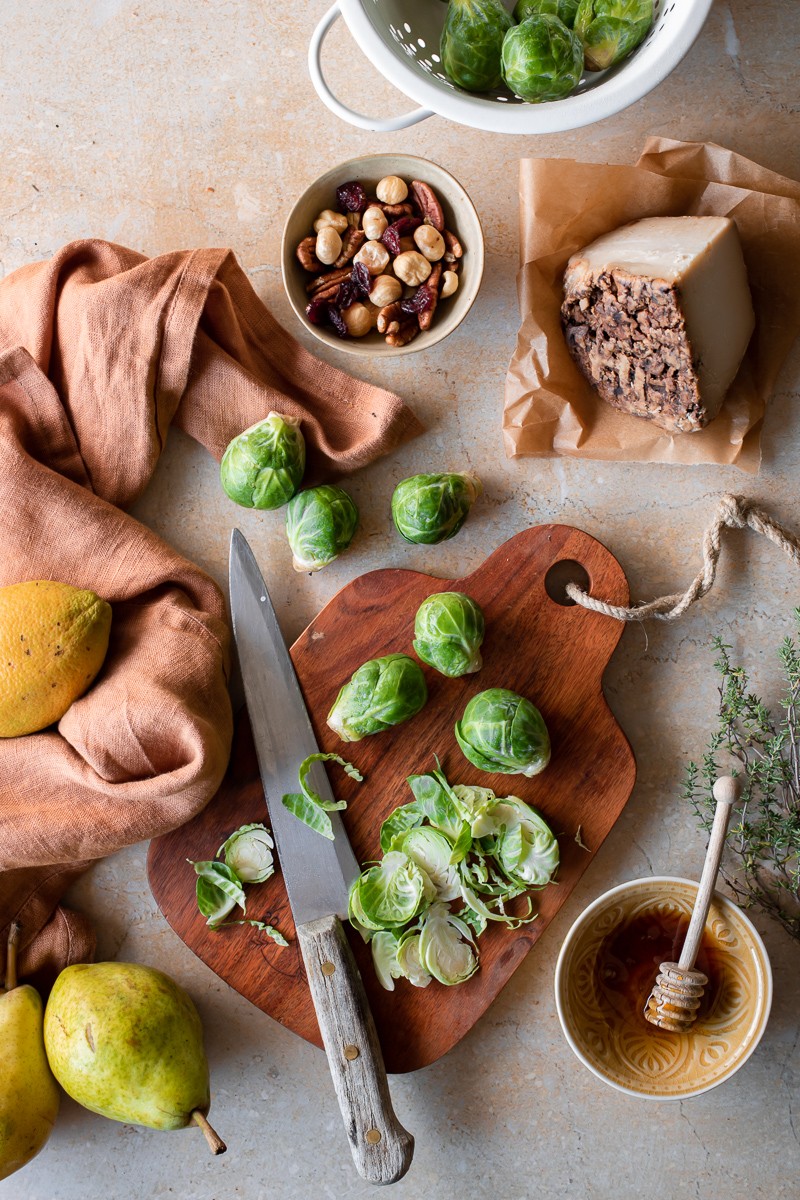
x=248 y=853
x=451 y=845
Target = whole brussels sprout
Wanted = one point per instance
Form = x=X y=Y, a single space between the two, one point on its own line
x=610 y=29
x=448 y=631
x=542 y=59
x=381 y=693
x=565 y=10
x=263 y=467
x=431 y=508
x=320 y=523
x=501 y=731
x=472 y=39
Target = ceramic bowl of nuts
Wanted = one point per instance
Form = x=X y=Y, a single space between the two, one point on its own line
x=383 y=255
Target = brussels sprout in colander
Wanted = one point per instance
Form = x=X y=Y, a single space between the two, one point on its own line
x=610 y=29
x=542 y=59
x=565 y=10
x=471 y=43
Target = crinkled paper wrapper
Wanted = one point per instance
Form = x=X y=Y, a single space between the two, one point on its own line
x=550 y=409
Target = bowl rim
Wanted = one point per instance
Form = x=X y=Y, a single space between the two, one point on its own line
x=357 y=346
x=639 y=77
x=558 y=984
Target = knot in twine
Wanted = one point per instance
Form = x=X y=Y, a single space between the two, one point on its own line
x=735 y=512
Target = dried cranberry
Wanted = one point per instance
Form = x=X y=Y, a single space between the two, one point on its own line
x=348 y=293
x=420 y=302
x=351 y=197
x=399 y=228
x=317 y=312
x=361 y=278
x=337 y=320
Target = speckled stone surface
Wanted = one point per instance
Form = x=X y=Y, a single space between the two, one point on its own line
x=171 y=123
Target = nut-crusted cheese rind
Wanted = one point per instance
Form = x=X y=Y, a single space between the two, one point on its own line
x=658 y=316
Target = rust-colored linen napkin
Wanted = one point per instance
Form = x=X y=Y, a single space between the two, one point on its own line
x=101 y=349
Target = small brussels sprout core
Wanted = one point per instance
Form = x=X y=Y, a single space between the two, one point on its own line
x=565 y=10
x=431 y=508
x=472 y=39
x=320 y=523
x=542 y=59
x=448 y=632
x=501 y=731
x=381 y=693
x=263 y=467
x=610 y=29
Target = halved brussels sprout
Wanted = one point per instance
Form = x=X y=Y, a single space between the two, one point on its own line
x=409 y=961
x=565 y=10
x=432 y=851
x=263 y=467
x=320 y=523
x=384 y=958
x=381 y=693
x=448 y=631
x=542 y=59
x=432 y=508
x=472 y=39
x=248 y=853
x=526 y=849
x=446 y=946
x=610 y=29
x=501 y=731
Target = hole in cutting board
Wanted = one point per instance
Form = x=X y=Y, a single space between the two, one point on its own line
x=560 y=574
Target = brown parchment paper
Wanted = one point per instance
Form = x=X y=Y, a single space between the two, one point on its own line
x=550 y=409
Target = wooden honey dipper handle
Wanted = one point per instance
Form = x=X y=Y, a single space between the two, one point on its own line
x=726 y=792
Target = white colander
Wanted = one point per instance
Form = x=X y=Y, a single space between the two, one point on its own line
x=401 y=38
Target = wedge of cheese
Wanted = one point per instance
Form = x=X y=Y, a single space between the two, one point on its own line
x=658 y=316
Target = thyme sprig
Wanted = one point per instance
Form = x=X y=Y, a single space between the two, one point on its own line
x=762 y=860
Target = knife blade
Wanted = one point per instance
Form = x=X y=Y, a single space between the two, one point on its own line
x=317 y=873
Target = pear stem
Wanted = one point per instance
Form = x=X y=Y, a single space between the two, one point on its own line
x=215 y=1142
x=11 y=960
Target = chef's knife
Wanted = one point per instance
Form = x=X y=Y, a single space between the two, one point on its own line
x=318 y=874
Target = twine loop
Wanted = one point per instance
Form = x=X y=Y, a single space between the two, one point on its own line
x=733 y=512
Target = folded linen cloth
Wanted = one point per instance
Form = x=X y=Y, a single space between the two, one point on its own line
x=101 y=349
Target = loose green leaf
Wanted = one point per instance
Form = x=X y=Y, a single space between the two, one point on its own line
x=305 y=767
x=309 y=812
x=274 y=933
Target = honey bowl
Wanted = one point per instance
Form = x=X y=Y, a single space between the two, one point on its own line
x=606 y=969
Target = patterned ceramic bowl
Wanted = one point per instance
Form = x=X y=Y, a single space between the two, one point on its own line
x=608 y=963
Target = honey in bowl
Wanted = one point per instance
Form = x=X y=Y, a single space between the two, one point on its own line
x=606 y=970
x=630 y=958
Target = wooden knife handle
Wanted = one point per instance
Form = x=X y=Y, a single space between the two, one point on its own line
x=382 y=1149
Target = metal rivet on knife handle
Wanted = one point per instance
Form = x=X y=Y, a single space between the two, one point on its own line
x=351 y=1053
x=373 y=1136
x=327 y=968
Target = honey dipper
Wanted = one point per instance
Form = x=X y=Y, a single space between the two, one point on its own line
x=675 y=998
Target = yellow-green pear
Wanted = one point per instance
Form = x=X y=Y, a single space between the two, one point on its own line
x=125 y=1041
x=29 y=1095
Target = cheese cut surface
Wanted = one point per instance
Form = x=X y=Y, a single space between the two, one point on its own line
x=658 y=316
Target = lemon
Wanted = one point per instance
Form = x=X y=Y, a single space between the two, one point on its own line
x=53 y=639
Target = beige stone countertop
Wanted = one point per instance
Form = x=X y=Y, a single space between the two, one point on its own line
x=173 y=123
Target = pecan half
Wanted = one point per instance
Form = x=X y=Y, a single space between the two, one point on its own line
x=354 y=220
x=433 y=283
x=407 y=331
x=390 y=318
x=429 y=204
x=393 y=211
x=452 y=243
x=328 y=277
x=352 y=242
x=306 y=254
x=328 y=293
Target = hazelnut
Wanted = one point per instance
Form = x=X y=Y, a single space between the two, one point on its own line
x=373 y=255
x=374 y=222
x=337 y=221
x=385 y=290
x=391 y=190
x=449 y=285
x=358 y=319
x=429 y=242
x=412 y=267
x=329 y=245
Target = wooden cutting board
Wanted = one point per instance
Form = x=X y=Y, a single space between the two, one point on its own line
x=550 y=652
